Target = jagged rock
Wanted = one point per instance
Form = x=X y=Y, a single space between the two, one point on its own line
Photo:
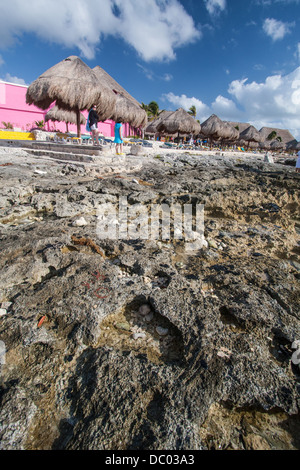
x=222 y=376
x=137 y=150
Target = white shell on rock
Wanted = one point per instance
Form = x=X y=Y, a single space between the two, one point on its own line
x=162 y=331
x=296 y=344
x=139 y=335
x=144 y=309
x=80 y=222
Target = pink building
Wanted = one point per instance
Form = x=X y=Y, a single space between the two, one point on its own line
x=14 y=110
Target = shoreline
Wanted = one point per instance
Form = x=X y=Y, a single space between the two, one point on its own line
x=108 y=152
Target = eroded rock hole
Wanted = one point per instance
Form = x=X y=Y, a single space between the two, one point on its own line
x=142 y=330
x=161 y=280
x=280 y=348
x=229 y=319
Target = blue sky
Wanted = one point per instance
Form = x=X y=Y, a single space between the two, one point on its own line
x=239 y=59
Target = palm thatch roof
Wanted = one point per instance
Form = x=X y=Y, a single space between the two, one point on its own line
x=251 y=135
x=126 y=108
x=242 y=126
x=63 y=115
x=276 y=144
x=112 y=84
x=293 y=145
x=179 y=122
x=229 y=132
x=284 y=134
x=73 y=85
x=217 y=129
x=127 y=111
x=265 y=144
x=152 y=126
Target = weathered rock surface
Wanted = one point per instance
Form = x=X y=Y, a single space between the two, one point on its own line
x=135 y=344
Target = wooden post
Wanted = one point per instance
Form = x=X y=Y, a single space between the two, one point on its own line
x=78 y=124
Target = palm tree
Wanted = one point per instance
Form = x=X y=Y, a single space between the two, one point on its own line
x=145 y=107
x=153 y=109
x=192 y=111
x=272 y=135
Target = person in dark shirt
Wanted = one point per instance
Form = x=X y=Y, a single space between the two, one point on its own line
x=93 y=123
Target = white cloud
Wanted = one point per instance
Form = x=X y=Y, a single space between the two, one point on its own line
x=148 y=72
x=84 y=24
x=185 y=102
x=224 y=107
x=214 y=7
x=276 y=29
x=272 y=103
x=11 y=79
x=156 y=35
x=167 y=77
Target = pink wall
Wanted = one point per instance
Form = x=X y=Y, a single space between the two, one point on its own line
x=13 y=109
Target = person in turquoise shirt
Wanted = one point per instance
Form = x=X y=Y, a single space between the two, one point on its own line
x=118 y=137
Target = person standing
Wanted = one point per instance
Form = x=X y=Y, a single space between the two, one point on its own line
x=93 y=123
x=298 y=163
x=118 y=137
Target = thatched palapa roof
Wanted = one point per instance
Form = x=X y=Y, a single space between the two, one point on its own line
x=62 y=115
x=217 y=129
x=179 y=122
x=152 y=126
x=242 y=126
x=284 y=134
x=112 y=84
x=127 y=111
x=73 y=85
x=251 y=135
x=276 y=144
x=126 y=107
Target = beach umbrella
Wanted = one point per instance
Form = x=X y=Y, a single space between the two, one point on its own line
x=251 y=135
x=216 y=129
x=229 y=132
x=294 y=145
x=276 y=145
x=74 y=87
x=109 y=82
x=126 y=107
x=152 y=126
x=284 y=135
x=212 y=127
x=265 y=144
x=179 y=122
x=127 y=111
x=62 y=115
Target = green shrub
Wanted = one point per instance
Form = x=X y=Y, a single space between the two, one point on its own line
x=7 y=125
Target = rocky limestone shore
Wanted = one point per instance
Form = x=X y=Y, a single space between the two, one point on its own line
x=136 y=344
